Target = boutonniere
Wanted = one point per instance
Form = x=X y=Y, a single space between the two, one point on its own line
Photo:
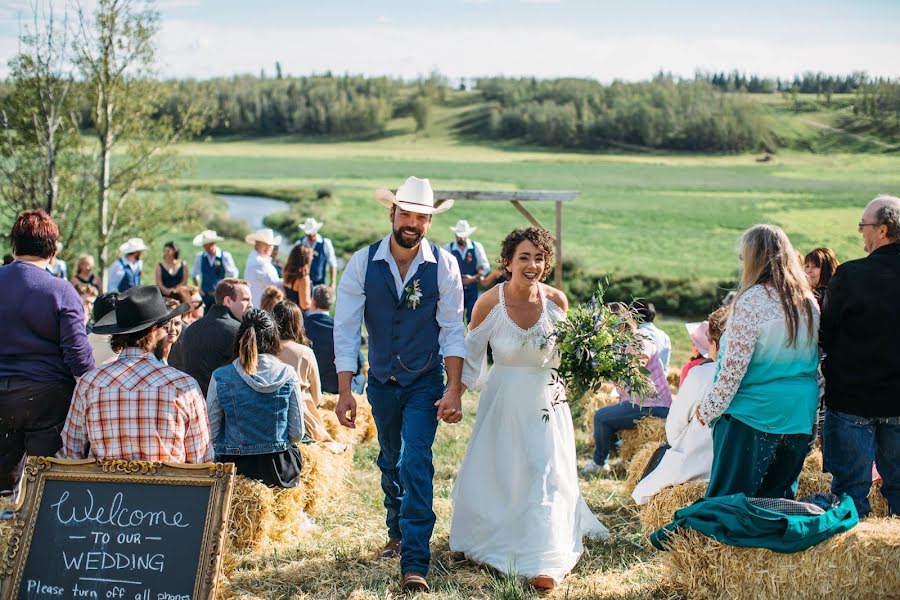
x=413 y=295
x=217 y=263
x=468 y=258
x=315 y=253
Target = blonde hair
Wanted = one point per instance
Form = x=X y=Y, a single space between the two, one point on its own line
x=270 y=297
x=769 y=259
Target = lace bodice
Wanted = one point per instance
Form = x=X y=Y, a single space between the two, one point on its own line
x=511 y=345
x=757 y=324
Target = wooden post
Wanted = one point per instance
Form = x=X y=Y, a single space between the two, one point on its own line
x=559 y=256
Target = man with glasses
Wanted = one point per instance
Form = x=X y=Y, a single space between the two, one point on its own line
x=860 y=323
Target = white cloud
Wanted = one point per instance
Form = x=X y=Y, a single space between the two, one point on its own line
x=383 y=20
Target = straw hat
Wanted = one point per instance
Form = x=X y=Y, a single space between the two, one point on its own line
x=415 y=195
x=699 y=333
x=310 y=226
x=132 y=245
x=207 y=237
x=462 y=229
x=266 y=236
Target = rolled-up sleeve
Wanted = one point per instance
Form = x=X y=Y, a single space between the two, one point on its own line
x=330 y=258
x=452 y=337
x=348 y=312
x=481 y=259
x=116 y=273
x=231 y=269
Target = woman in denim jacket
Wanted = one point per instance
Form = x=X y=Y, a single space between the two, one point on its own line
x=254 y=408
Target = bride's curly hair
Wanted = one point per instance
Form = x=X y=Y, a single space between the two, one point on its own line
x=539 y=237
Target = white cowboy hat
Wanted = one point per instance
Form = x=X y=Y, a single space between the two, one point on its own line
x=207 y=237
x=132 y=245
x=311 y=226
x=462 y=229
x=415 y=195
x=266 y=236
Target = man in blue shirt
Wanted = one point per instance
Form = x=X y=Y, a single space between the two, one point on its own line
x=473 y=263
x=211 y=266
x=125 y=273
x=323 y=254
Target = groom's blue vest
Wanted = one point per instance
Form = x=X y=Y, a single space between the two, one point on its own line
x=403 y=342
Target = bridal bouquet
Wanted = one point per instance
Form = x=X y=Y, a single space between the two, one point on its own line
x=595 y=345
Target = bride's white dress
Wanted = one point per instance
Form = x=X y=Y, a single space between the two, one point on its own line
x=516 y=502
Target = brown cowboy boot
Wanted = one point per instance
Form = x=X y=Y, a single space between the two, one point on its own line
x=414 y=582
x=391 y=549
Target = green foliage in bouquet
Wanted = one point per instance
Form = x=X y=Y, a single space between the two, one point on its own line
x=597 y=344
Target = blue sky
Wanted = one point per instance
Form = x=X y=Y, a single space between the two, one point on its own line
x=547 y=38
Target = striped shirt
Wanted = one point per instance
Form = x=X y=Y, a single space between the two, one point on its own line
x=137 y=408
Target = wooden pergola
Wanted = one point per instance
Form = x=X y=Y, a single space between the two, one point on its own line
x=517 y=198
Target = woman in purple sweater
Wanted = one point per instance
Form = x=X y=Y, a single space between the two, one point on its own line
x=43 y=349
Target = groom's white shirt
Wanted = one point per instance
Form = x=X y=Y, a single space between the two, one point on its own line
x=351 y=301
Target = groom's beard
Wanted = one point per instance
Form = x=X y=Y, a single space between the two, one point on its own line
x=408 y=242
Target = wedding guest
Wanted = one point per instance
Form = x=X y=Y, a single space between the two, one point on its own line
x=57 y=267
x=860 y=321
x=472 y=260
x=647 y=310
x=136 y=408
x=297 y=282
x=323 y=257
x=271 y=296
x=173 y=331
x=610 y=420
x=172 y=272
x=690 y=452
x=699 y=348
x=296 y=353
x=209 y=342
x=100 y=343
x=820 y=265
x=43 y=349
x=259 y=420
x=125 y=273
x=211 y=266
x=762 y=405
x=87 y=294
x=189 y=295
x=84 y=274
x=259 y=272
x=319 y=326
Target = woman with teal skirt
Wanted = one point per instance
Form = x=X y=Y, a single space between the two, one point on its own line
x=762 y=405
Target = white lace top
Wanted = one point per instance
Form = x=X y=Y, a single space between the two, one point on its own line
x=756 y=360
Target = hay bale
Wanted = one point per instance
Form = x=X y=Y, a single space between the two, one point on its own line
x=877 y=501
x=365 y=423
x=251 y=516
x=812 y=480
x=288 y=515
x=673 y=377
x=328 y=402
x=323 y=474
x=646 y=430
x=583 y=411
x=861 y=562
x=661 y=508
x=638 y=464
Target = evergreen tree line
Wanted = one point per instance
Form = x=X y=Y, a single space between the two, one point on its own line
x=662 y=113
x=876 y=109
x=807 y=83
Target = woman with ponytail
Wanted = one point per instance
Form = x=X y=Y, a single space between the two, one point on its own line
x=255 y=415
x=762 y=404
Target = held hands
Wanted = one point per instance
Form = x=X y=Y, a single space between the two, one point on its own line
x=449 y=406
x=346 y=404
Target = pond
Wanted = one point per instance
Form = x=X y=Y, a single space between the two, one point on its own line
x=253 y=209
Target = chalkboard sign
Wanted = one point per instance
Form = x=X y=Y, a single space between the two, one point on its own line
x=117 y=530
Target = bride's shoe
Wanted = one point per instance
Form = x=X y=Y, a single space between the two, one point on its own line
x=542 y=582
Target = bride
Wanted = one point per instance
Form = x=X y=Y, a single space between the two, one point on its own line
x=516 y=502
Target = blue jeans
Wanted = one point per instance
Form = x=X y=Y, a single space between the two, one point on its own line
x=609 y=420
x=849 y=445
x=406 y=418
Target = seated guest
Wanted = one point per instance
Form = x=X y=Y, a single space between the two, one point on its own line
x=44 y=348
x=820 y=265
x=136 y=408
x=690 y=453
x=173 y=331
x=647 y=310
x=762 y=405
x=295 y=352
x=319 y=325
x=258 y=419
x=610 y=420
x=209 y=343
x=699 y=348
x=270 y=297
x=100 y=347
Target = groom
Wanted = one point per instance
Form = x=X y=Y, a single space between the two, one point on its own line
x=410 y=294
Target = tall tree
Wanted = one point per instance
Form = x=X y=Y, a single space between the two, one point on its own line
x=116 y=56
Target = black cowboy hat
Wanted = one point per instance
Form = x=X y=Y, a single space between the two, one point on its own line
x=139 y=308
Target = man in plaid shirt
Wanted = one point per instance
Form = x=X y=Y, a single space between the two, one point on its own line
x=138 y=408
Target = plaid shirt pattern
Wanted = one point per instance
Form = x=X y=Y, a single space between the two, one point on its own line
x=138 y=408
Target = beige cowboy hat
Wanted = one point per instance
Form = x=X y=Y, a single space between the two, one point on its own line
x=462 y=229
x=266 y=236
x=132 y=245
x=415 y=195
x=311 y=226
x=207 y=237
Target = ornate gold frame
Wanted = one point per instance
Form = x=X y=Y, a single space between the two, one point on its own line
x=218 y=476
